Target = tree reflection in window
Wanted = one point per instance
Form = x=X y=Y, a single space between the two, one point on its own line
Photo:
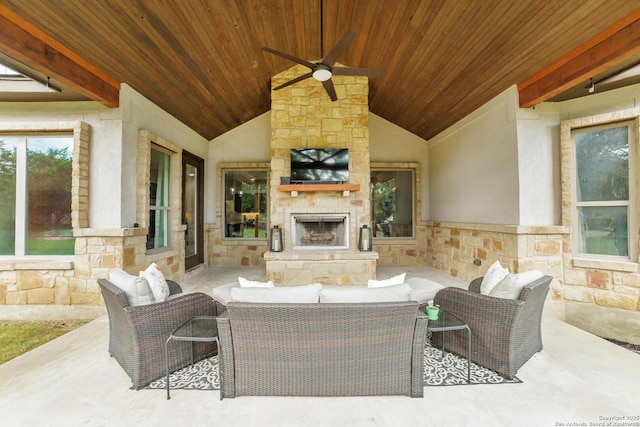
x=602 y=190
x=392 y=202
x=35 y=189
x=245 y=203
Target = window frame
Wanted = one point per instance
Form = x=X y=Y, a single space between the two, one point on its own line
x=164 y=208
x=413 y=169
x=79 y=132
x=630 y=203
x=223 y=168
x=146 y=140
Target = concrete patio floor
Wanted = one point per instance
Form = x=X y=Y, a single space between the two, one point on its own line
x=577 y=378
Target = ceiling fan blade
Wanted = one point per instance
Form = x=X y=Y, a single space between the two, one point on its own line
x=289 y=57
x=296 y=80
x=339 y=48
x=349 y=71
x=331 y=91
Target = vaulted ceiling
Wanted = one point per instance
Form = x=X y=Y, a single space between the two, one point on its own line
x=201 y=60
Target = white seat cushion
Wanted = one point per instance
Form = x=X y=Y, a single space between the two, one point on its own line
x=285 y=294
x=423 y=290
x=343 y=294
x=222 y=293
x=246 y=283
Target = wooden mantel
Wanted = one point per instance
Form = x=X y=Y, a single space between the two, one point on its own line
x=295 y=188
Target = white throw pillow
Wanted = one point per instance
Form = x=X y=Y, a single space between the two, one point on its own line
x=246 y=283
x=135 y=287
x=395 y=280
x=507 y=288
x=527 y=277
x=494 y=274
x=287 y=294
x=157 y=282
x=343 y=294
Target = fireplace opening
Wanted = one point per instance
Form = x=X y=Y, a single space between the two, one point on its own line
x=320 y=231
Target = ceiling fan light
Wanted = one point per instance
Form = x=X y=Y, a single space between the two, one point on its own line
x=321 y=74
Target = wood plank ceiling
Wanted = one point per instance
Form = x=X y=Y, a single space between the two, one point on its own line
x=201 y=60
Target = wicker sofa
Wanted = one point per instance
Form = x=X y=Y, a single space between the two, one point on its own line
x=505 y=332
x=421 y=290
x=322 y=349
x=137 y=334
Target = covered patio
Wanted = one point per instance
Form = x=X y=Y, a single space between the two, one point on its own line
x=474 y=118
x=576 y=378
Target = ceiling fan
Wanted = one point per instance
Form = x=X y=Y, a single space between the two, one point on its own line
x=323 y=71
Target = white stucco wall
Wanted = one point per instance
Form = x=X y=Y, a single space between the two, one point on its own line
x=391 y=143
x=112 y=174
x=105 y=149
x=248 y=143
x=473 y=166
x=538 y=168
x=501 y=164
x=539 y=149
x=138 y=113
x=591 y=105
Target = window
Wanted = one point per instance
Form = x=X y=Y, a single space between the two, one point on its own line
x=392 y=202
x=159 y=199
x=603 y=173
x=245 y=203
x=35 y=189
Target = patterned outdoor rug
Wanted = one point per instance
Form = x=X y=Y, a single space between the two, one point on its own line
x=452 y=370
x=204 y=375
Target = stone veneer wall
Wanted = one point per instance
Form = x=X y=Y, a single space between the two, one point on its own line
x=303 y=116
x=601 y=296
x=453 y=248
x=404 y=251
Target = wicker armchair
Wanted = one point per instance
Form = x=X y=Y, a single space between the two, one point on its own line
x=137 y=334
x=505 y=333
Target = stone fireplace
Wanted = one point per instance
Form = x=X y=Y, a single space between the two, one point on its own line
x=319 y=231
x=320 y=222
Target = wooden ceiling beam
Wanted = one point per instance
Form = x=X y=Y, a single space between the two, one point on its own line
x=30 y=46
x=613 y=46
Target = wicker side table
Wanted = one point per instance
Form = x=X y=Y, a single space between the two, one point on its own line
x=448 y=322
x=196 y=329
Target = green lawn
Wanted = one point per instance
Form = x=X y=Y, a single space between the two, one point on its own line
x=250 y=233
x=17 y=337
x=40 y=246
x=51 y=246
x=601 y=243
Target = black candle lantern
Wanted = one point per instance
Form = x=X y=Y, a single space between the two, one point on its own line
x=275 y=243
x=366 y=239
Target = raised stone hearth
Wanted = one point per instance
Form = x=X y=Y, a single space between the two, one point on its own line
x=329 y=267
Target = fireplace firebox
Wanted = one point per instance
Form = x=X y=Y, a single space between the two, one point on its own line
x=320 y=231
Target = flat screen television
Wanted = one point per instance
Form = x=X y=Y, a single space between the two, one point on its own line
x=319 y=165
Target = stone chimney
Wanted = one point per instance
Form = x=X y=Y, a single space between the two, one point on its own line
x=303 y=116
